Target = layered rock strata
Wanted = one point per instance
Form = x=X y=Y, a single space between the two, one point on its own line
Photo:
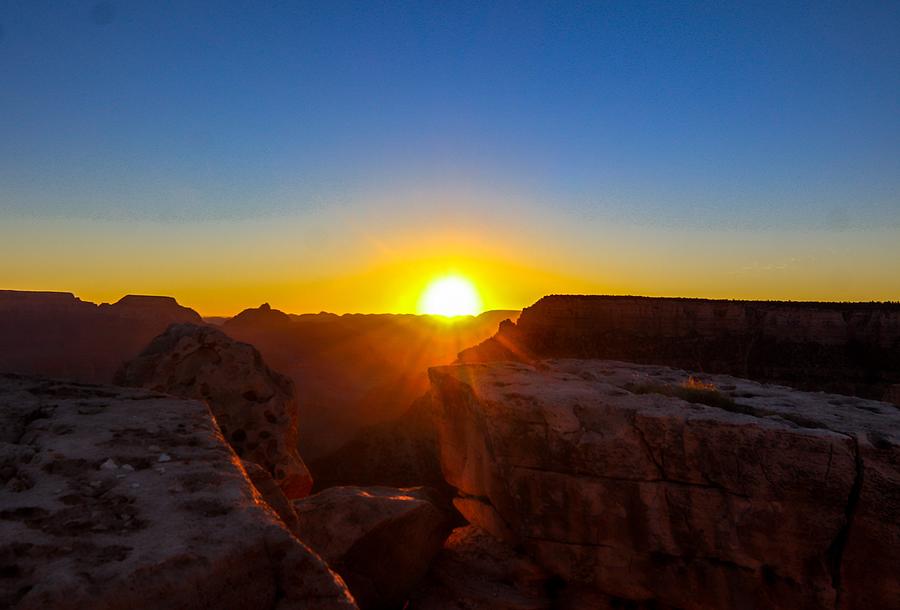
x=254 y=405
x=643 y=483
x=848 y=348
x=121 y=498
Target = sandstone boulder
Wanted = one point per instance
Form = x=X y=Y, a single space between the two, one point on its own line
x=642 y=483
x=254 y=405
x=379 y=539
x=475 y=571
x=120 y=498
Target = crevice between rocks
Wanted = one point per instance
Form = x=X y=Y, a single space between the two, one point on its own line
x=835 y=552
x=647 y=448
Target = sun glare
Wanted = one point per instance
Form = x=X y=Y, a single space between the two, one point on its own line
x=450 y=296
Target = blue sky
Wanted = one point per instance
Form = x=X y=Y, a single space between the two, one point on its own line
x=658 y=116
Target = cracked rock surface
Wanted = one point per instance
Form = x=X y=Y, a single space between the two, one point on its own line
x=638 y=483
x=119 y=498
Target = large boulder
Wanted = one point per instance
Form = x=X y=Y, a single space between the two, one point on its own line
x=646 y=484
x=254 y=405
x=119 y=498
x=379 y=539
x=475 y=571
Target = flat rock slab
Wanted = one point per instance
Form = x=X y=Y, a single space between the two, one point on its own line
x=715 y=492
x=123 y=498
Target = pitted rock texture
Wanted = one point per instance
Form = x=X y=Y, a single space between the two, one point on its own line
x=254 y=405
x=379 y=539
x=848 y=348
x=120 y=498
x=59 y=335
x=644 y=485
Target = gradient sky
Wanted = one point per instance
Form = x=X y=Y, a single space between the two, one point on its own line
x=338 y=156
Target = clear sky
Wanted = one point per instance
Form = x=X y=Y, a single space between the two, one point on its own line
x=338 y=156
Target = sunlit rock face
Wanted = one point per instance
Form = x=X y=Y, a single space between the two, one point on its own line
x=120 y=498
x=254 y=405
x=637 y=483
x=379 y=539
x=57 y=334
x=848 y=348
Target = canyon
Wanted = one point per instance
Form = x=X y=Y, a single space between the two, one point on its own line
x=596 y=452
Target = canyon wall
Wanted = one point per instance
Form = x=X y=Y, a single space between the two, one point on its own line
x=645 y=485
x=848 y=348
x=59 y=335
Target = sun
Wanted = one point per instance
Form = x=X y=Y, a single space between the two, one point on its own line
x=450 y=296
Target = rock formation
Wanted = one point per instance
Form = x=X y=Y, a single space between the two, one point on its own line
x=56 y=334
x=475 y=571
x=379 y=539
x=645 y=484
x=121 y=498
x=254 y=405
x=848 y=348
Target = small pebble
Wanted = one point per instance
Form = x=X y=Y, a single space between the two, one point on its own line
x=108 y=465
x=128 y=467
x=164 y=457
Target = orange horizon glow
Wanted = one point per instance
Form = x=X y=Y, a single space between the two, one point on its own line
x=383 y=261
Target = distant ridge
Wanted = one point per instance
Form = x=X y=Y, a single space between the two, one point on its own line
x=57 y=334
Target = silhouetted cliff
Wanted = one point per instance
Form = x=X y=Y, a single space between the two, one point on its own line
x=57 y=334
x=849 y=348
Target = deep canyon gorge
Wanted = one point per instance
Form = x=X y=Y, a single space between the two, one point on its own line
x=590 y=452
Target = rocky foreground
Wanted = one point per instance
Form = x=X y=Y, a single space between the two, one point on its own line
x=642 y=483
x=116 y=498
